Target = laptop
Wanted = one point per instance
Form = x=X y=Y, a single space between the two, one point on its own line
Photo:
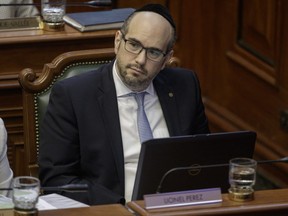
x=158 y=156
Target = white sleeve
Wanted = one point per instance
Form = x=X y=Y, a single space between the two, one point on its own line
x=6 y=174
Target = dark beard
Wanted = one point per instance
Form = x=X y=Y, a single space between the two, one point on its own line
x=133 y=82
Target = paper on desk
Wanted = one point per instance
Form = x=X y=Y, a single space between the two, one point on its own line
x=46 y=202
x=5 y=202
x=57 y=201
x=43 y=205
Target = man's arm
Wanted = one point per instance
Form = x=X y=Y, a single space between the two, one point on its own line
x=60 y=152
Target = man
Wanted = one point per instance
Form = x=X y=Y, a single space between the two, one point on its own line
x=17 y=10
x=6 y=174
x=90 y=134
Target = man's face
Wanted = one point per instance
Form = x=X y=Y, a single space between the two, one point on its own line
x=149 y=30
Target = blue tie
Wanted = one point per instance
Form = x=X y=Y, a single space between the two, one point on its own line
x=145 y=132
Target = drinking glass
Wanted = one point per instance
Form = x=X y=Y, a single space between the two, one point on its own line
x=53 y=12
x=26 y=191
x=242 y=178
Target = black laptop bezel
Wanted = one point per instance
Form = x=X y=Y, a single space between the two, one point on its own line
x=148 y=177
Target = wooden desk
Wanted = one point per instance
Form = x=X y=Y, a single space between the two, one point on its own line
x=32 y=49
x=270 y=202
x=99 y=210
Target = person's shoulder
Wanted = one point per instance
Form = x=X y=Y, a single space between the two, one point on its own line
x=178 y=70
x=2 y=124
x=178 y=73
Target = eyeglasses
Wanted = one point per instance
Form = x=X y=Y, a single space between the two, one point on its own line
x=135 y=47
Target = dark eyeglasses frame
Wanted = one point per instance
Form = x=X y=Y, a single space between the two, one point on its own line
x=142 y=47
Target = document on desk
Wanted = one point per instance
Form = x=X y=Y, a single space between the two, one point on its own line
x=5 y=202
x=45 y=202
x=57 y=201
x=6 y=206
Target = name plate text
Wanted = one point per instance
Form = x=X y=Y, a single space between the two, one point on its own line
x=20 y=23
x=183 y=198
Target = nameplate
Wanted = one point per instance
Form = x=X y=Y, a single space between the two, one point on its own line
x=20 y=23
x=183 y=198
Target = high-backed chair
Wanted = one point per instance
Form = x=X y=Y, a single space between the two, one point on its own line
x=36 y=90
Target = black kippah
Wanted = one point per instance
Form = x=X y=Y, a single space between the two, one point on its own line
x=159 y=9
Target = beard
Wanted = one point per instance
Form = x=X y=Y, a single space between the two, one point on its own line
x=136 y=81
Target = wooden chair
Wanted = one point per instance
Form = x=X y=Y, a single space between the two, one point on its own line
x=36 y=90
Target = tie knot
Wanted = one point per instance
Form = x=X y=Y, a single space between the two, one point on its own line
x=139 y=97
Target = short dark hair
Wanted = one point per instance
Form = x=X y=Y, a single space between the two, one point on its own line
x=155 y=8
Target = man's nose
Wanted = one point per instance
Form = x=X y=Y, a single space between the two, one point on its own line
x=141 y=57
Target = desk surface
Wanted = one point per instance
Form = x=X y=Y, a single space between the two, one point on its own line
x=34 y=48
x=29 y=36
x=268 y=202
x=100 y=210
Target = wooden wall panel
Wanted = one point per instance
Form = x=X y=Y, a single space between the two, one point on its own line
x=238 y=49
x=256 y=46
x=137 y=4
x=257 y=29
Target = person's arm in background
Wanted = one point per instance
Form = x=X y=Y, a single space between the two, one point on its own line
x=6 y=174
x=8 y=12
x=26 y=11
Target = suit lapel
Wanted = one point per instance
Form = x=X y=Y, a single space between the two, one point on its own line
x=109 y=107
x=167 y=100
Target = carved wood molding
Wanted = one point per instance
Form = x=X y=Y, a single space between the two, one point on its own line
x=256 y=47
x=253 y=64
x=258 y=27
x=33 y=83
x=9 y=81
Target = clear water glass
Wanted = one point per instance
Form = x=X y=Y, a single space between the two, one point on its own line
x=242 y=178
x=26 y=190
x=53 y=11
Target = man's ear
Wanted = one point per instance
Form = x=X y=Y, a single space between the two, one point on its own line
x=167 y=58
x=117 y=40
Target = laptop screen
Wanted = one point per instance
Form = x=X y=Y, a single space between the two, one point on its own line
x=158 y=156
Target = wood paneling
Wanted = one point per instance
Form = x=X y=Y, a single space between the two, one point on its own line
x=257 y=29
x=256 y=46
x=238 y=49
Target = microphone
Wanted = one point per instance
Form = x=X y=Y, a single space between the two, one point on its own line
x=71 y=188
x=159 y=188
x=66 y=188
x=95 y=3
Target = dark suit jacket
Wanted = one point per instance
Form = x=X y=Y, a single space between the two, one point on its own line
x=80 y=134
